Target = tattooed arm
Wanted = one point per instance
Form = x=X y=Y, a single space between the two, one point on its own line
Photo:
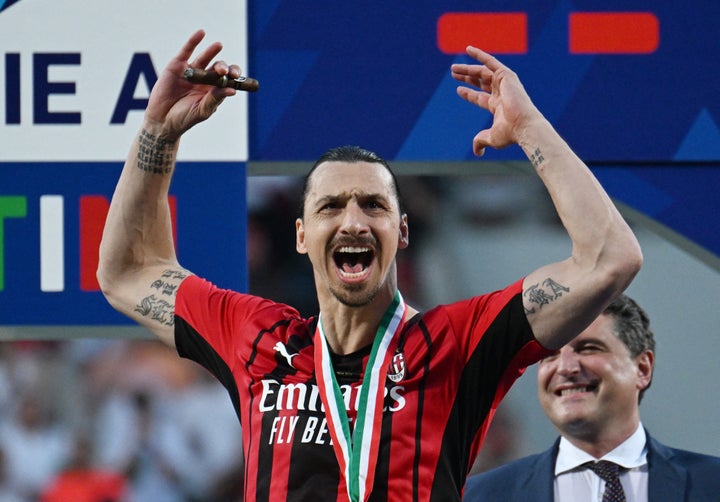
x=562 y=298
x=138 y=272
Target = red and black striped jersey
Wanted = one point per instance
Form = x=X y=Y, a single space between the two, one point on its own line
x=452 y=366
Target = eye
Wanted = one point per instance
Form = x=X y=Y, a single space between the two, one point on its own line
x=374 y=204
x=589 y=349
x=328 y=206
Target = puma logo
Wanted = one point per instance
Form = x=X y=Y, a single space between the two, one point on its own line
x=282 y=349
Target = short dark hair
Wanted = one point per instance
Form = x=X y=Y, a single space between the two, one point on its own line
x=351 y=154
x=632 y=327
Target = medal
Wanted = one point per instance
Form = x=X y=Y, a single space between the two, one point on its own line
x=357 y=452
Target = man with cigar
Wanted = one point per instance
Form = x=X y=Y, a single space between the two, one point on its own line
x=371 y=399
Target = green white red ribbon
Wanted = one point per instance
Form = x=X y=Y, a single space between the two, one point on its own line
x=357 y=452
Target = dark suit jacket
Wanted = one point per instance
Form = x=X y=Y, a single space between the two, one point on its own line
x=673 y=476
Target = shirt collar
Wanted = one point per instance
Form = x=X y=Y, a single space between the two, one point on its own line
x=629 y=454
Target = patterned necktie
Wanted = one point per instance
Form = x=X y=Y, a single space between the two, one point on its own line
x=608 y=471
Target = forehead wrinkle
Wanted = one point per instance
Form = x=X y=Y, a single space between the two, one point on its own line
x=334 y=176
x=344 y=198
x=354 y=193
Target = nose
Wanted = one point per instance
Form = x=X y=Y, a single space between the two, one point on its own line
x=567 y=362
x=354 y=220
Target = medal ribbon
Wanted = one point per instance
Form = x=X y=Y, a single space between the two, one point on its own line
x=357 y=453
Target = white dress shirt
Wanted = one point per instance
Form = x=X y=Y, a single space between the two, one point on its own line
x=575 y=484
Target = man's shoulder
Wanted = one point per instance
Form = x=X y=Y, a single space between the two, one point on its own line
x=509 y=469
x=682 y=473
x=511 y=477
x=685 y=458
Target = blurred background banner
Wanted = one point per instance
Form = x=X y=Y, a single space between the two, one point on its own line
x=631 y=85
x=74 y=82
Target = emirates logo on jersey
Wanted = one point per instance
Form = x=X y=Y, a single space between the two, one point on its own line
x=396 y=371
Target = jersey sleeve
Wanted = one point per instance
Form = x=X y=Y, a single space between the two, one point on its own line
x=493 y=314
x=493 y=334
x=215 y=326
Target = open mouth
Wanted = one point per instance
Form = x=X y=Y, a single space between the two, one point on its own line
x=568 y=391
x=352 y=261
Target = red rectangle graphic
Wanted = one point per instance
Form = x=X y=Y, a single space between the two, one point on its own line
x=613 y=33
x=493 y=32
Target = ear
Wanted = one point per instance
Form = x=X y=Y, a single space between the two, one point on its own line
x=404 y=234
x=300 y=237
x=645 y=364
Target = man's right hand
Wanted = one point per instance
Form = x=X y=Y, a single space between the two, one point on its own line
x=176 y=104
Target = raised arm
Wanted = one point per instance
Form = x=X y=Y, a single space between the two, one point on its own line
x=562 y=298
x=138 y=272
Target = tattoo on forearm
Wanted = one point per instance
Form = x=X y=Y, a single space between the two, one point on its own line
x=160 y=309
x=536 y=158
x=156 y=154
x=543 y=294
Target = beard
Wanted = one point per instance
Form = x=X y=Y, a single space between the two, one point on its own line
x=355 y=295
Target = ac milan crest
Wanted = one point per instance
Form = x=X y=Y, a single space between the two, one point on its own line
x=396 y=371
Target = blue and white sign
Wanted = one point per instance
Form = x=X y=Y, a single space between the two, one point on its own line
x=74 y=83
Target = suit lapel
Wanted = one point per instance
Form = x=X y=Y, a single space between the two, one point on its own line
x=539 y=478
x=666 y=481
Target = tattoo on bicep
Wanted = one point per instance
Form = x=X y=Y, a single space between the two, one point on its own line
x=536 y=158
x=158 y=308
x=172 y=273
x=156 y=154
x=543 y=294
x=163 y=287
x=557 y=289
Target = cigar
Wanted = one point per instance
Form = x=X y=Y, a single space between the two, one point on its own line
x=198 y=76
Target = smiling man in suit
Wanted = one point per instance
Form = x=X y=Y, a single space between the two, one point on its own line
x=591 y=390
